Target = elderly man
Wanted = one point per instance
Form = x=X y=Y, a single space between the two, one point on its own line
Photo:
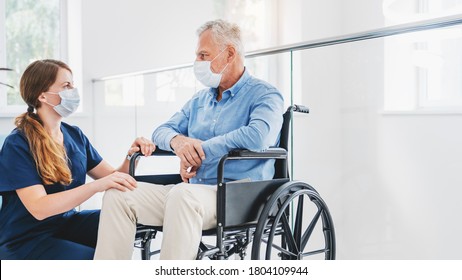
x=235 y=111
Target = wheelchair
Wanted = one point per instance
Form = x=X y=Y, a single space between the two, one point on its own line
x=278 y=218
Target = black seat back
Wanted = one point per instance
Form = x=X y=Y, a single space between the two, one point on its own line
x=280 y=169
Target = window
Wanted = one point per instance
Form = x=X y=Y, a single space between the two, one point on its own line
x=29 y=30
x=422 y=68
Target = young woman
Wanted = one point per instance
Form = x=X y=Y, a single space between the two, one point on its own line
x=43 y=165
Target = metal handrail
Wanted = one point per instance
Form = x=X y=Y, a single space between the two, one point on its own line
x=423 y=25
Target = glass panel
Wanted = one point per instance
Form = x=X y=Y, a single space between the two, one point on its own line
x=165 y=94
x=139 y=104
x=125 y=92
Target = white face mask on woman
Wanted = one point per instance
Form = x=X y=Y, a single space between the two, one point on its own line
x=204 y=74
x=70 y=101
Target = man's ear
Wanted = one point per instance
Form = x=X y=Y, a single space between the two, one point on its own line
x=231 y=53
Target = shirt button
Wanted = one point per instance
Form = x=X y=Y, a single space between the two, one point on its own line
x=200 y=180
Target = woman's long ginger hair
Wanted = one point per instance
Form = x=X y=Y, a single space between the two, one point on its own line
x=50 y=157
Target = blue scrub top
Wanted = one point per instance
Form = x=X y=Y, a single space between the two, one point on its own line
x=18 y=170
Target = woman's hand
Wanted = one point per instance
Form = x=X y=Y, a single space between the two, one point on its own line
x=116 y=180
x=143 y=145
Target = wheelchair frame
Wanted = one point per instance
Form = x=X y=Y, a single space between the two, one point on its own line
x=263 y=213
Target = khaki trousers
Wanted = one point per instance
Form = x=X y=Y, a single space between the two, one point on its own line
x=184 y=210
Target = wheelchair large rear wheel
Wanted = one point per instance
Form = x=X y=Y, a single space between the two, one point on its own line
x=294 y=224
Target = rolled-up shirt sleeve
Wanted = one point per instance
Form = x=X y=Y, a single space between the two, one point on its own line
x=177 y=124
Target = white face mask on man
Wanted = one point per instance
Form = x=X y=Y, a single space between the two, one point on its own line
x=70 y=101
x=204 y=74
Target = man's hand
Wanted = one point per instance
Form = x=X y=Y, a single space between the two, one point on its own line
x=190 y=152
x=187 y=172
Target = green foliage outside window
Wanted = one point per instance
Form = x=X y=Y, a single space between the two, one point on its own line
x=32 y=32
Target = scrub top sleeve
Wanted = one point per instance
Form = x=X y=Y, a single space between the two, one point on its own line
x=93 y=157
x=17 y=166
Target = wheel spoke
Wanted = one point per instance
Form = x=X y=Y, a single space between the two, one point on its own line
x=316 y=252
x=270 y=239
x=298 y=223
x=288 y=233
x=310 y=228
x=282 y=250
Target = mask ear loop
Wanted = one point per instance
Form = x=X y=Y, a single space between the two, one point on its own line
x=46 y=102
x=227 y=64
x=55 y=93
x=218 y=55
x=50 y=104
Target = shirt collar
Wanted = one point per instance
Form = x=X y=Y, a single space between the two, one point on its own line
x=239 y=84
x=232 y=91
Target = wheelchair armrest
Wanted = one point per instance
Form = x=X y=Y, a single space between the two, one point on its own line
x=134 y=158
x=242 y=154
x=271 y=153
x=160 y=152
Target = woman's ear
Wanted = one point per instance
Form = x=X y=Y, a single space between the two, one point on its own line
x=42 y=98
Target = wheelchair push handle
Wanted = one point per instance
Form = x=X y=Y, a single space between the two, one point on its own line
x=300 y=109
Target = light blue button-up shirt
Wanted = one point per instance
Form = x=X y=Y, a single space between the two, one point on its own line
x=249 y=116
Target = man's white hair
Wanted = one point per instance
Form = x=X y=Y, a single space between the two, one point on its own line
x=224 y=33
